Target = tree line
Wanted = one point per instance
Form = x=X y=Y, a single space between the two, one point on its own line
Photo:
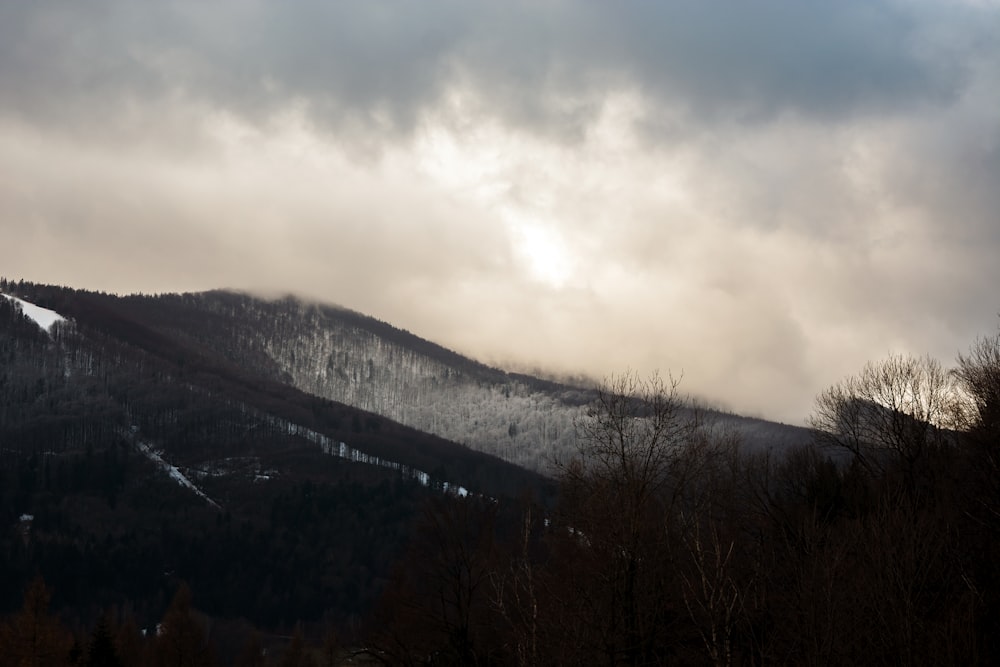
x=35 y=637
x=878 y=544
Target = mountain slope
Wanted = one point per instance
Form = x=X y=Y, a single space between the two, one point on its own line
x=131 y=457
x=224 y=353
x=359 y=361
x=149 y=439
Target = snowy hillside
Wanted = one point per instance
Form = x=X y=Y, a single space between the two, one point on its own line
x=342 y=356
x=44 y=317
x=359 y=361
x=367 y=364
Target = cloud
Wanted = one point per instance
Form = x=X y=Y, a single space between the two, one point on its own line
x=764 y=195
x=544 y=66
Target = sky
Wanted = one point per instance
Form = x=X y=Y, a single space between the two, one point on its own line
x=761 y=196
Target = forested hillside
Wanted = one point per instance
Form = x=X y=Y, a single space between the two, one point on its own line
x=131 y=460
x=356 y=360
x=371 y=365
x=159 y=467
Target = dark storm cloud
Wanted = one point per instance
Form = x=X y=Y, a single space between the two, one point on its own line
x=379 y=66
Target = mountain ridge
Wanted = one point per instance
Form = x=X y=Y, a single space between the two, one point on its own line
x=348 y=357
x=141 y=457
x=152 y=439
x=198 y=363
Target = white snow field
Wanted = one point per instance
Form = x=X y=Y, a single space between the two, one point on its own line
x=43 y=317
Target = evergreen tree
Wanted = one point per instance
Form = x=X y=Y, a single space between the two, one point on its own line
x=101 y=651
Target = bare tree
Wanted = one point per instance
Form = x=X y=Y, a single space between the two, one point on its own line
x=633 y=441
x=516 y=596
x=712 y=594
x=619 y=493
x=439 y=603
x=895 y=412
x=978 y=373
x=717 y=550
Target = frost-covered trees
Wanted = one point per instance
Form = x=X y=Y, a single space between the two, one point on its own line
x=370 y=365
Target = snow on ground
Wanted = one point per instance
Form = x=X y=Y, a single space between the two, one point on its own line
x=43 y=317
x=176 y=474
x=341 y=450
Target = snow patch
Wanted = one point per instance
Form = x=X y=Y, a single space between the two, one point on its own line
x=459 y=491
x=174 y=473
x=43 y=317
x=342 y=450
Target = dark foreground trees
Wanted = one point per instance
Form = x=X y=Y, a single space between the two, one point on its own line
x=34 y=637
x=917 y=527
x=897 y=414
x=979 y=374
x=876 y=544
x=641 y=563
x=620 y=497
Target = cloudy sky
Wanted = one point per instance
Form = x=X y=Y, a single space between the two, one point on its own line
x=763 y=195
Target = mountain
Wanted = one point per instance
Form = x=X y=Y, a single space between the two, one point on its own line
x=248 y=349
x=275 y=454
x=134 y=455
x=371 y=365
x=359 y=361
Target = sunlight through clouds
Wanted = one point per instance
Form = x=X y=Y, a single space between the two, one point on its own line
x=545 y=256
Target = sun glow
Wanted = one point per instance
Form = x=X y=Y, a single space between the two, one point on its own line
x=543 y=254
x=530 y=186
x=487 y=169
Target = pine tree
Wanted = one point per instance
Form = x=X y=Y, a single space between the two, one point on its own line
x=101 y=651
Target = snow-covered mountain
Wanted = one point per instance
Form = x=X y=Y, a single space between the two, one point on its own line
x=191 y=381
x=134 y=452
x=267 y=439
x=357 y=360
x=367 y=364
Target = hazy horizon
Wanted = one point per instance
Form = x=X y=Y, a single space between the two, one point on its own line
x=761 y=196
